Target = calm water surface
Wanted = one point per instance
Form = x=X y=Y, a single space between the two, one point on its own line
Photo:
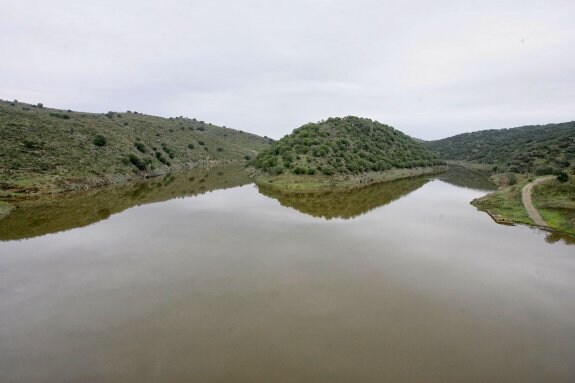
x=400 y=283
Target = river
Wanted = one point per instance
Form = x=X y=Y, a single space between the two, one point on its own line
x=203 y=277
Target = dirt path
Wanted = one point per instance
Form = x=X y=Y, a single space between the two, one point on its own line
x=526 y=198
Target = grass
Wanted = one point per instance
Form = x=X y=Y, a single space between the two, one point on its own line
x=556 y=203
x=554 y=200
x=43 y=152
x=505 y=205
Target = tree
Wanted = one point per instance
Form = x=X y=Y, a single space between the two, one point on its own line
x=99 y=140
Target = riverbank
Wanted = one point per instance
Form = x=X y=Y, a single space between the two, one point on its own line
x=553 y=200
x=320 y=183
x=14 y=193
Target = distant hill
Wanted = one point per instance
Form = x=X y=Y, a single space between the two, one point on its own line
x=343 y=146
x=48 y=150
x=541 y=149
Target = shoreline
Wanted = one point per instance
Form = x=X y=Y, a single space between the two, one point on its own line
x=506 y=206
x=11 y=197
x=323 y=183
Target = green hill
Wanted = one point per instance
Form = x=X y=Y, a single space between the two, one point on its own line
x=49 y=150
x=540 y=149
x=343 y=147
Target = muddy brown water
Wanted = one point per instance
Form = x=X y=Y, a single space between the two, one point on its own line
x=175 y=283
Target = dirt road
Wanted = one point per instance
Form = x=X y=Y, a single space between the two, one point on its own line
x=526 y=198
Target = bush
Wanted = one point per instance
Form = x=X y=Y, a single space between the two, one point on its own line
x=40 y=105
x=99 y=140
x=511 y=179
x=562 y=177
x=190 y=146
x=140 y=146
x=137 y=162
x=276 y=170
x=168 y=150
x=60 y=115
x=201 y=143
x=220 y=149
x=162 y=159
x=299 y=170
x=247 y=157
x=327 y=170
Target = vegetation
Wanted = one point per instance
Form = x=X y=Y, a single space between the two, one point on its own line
x=505 y=205
x=556 y=204
x=44 y=150
x=539 y=149
x=349 y=146
x=516 y=156
x=554 y=201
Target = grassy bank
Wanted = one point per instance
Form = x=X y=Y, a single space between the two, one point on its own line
x=322 y=183
x=554 y=200
x=556 y=203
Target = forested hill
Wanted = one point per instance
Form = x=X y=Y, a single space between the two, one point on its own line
x=349 y=145
x=47 y=150
x=543 y=149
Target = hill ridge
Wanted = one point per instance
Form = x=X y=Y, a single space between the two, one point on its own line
x=45 y=150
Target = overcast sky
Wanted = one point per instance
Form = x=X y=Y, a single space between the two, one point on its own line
x=429 y=68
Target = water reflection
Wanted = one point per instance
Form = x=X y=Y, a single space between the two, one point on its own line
x=467 y=178
x=345 y=204
x=64 y=212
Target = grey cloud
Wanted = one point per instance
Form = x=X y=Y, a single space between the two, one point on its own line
x=429 y=68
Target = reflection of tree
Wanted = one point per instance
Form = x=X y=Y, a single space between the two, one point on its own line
x=345 y=204
x=554 y=237
x=467 y=178
x=68 y=211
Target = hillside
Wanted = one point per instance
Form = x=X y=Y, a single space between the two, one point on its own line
x=539 y=149
x=48 y=150
x=349 y=146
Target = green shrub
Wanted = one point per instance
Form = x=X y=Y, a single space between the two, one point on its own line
x=137 y=162
x=276 y=170
x=299 y=170
x=190 y=146
x=562 y=177
x=220 y=149
x=327 y=170
x=140 y=146
x=99 y=140
x=162 y=159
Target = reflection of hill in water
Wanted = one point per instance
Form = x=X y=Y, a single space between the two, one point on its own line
x=345 y=204
x=467 y=178
x=64 y=212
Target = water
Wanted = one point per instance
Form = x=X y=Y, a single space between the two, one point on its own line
x=406 y=283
